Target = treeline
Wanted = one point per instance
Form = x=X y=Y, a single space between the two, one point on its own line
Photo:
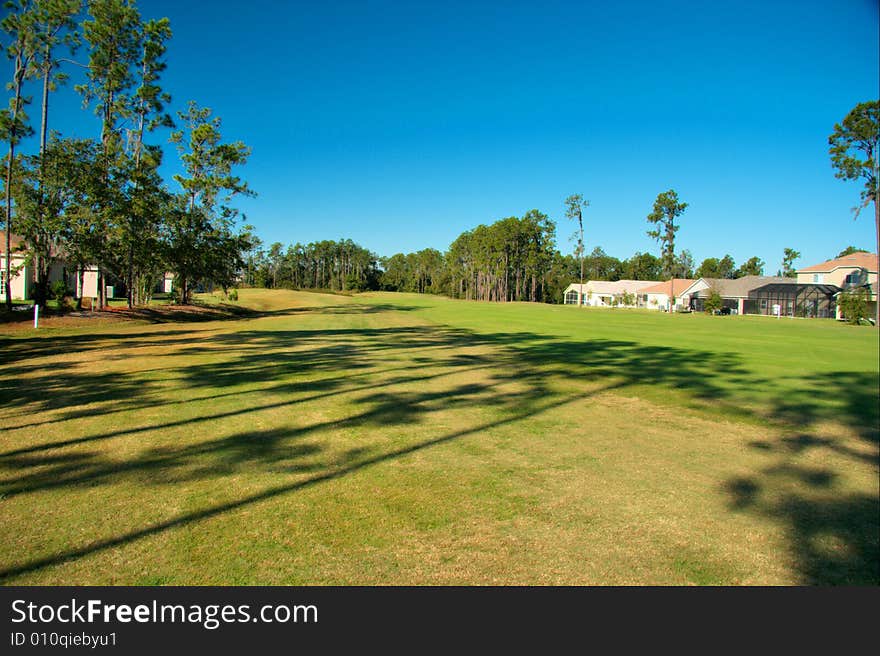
x=513 y=259
x=102 y=202
x=334 y=265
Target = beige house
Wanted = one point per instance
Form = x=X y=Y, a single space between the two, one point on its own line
x=23 y=274
x=21 y=281
x=842 y=271
x=847 y=272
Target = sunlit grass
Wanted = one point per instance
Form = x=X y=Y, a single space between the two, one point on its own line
x=404 y=439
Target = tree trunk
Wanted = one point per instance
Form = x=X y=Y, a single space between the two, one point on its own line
x=41 y=290
x=81 y=275
x=102 y=291
x=12 y=138
x=129 y=282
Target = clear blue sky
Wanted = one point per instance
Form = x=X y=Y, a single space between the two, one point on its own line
x=400 y=125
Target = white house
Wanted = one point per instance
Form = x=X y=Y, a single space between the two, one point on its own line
x=604 y=293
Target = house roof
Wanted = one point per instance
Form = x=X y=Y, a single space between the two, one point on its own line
x=610 y=287
x=867 y=261
x=678 y=286
x=740 y=287
x=775 y=288
x=618 y=286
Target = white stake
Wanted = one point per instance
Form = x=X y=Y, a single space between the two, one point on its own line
x=36 y=316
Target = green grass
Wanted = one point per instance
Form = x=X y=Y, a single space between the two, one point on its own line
x=405 y=439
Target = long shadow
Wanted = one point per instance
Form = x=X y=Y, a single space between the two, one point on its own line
x=155 y=401
x=333 y=386
x=287 y=362
x=219 y=509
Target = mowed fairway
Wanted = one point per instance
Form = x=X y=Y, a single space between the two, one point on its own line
x=404 y=439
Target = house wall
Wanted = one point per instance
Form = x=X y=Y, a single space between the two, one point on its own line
x=663 y=301
x=569 y=296
x=657 y=301
x=89 y=287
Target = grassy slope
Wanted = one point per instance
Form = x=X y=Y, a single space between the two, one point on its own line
x=406 y=439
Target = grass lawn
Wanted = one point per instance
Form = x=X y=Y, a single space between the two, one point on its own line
x=405 y=439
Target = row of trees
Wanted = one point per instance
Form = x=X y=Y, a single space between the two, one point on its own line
x=327 y=265
x=102 y=202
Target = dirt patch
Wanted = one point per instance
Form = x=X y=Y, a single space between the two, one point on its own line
x=173 y=313
x=24 y=320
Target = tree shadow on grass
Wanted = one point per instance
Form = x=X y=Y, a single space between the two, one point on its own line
x=834 y=534
x=395 y=377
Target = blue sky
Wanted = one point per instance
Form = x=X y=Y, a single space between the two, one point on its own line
x=400 y=125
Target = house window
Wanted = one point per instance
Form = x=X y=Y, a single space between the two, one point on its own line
x=817 y=277
x=852 y=278
x=571 y=298
x=763 y=303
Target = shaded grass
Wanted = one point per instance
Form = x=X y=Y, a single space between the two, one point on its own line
x=406 y=439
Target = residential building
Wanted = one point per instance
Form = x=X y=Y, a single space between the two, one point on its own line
x=22 y=277
x=734 y=292
x=853 y=271
x=604 y=293
x=656 y=297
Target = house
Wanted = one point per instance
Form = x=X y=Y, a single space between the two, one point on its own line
x=734 y=292
x=165 y=284
x=23 y=280
x=853 y=271
x=604 y=293
x=841 y=271
x=656 y=297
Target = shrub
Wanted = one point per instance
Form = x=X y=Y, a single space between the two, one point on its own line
x=233 y=295
x=854 y=305
x=58 y=290
x=713 y=303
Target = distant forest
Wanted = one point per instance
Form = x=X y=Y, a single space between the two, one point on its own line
x=513 y=259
